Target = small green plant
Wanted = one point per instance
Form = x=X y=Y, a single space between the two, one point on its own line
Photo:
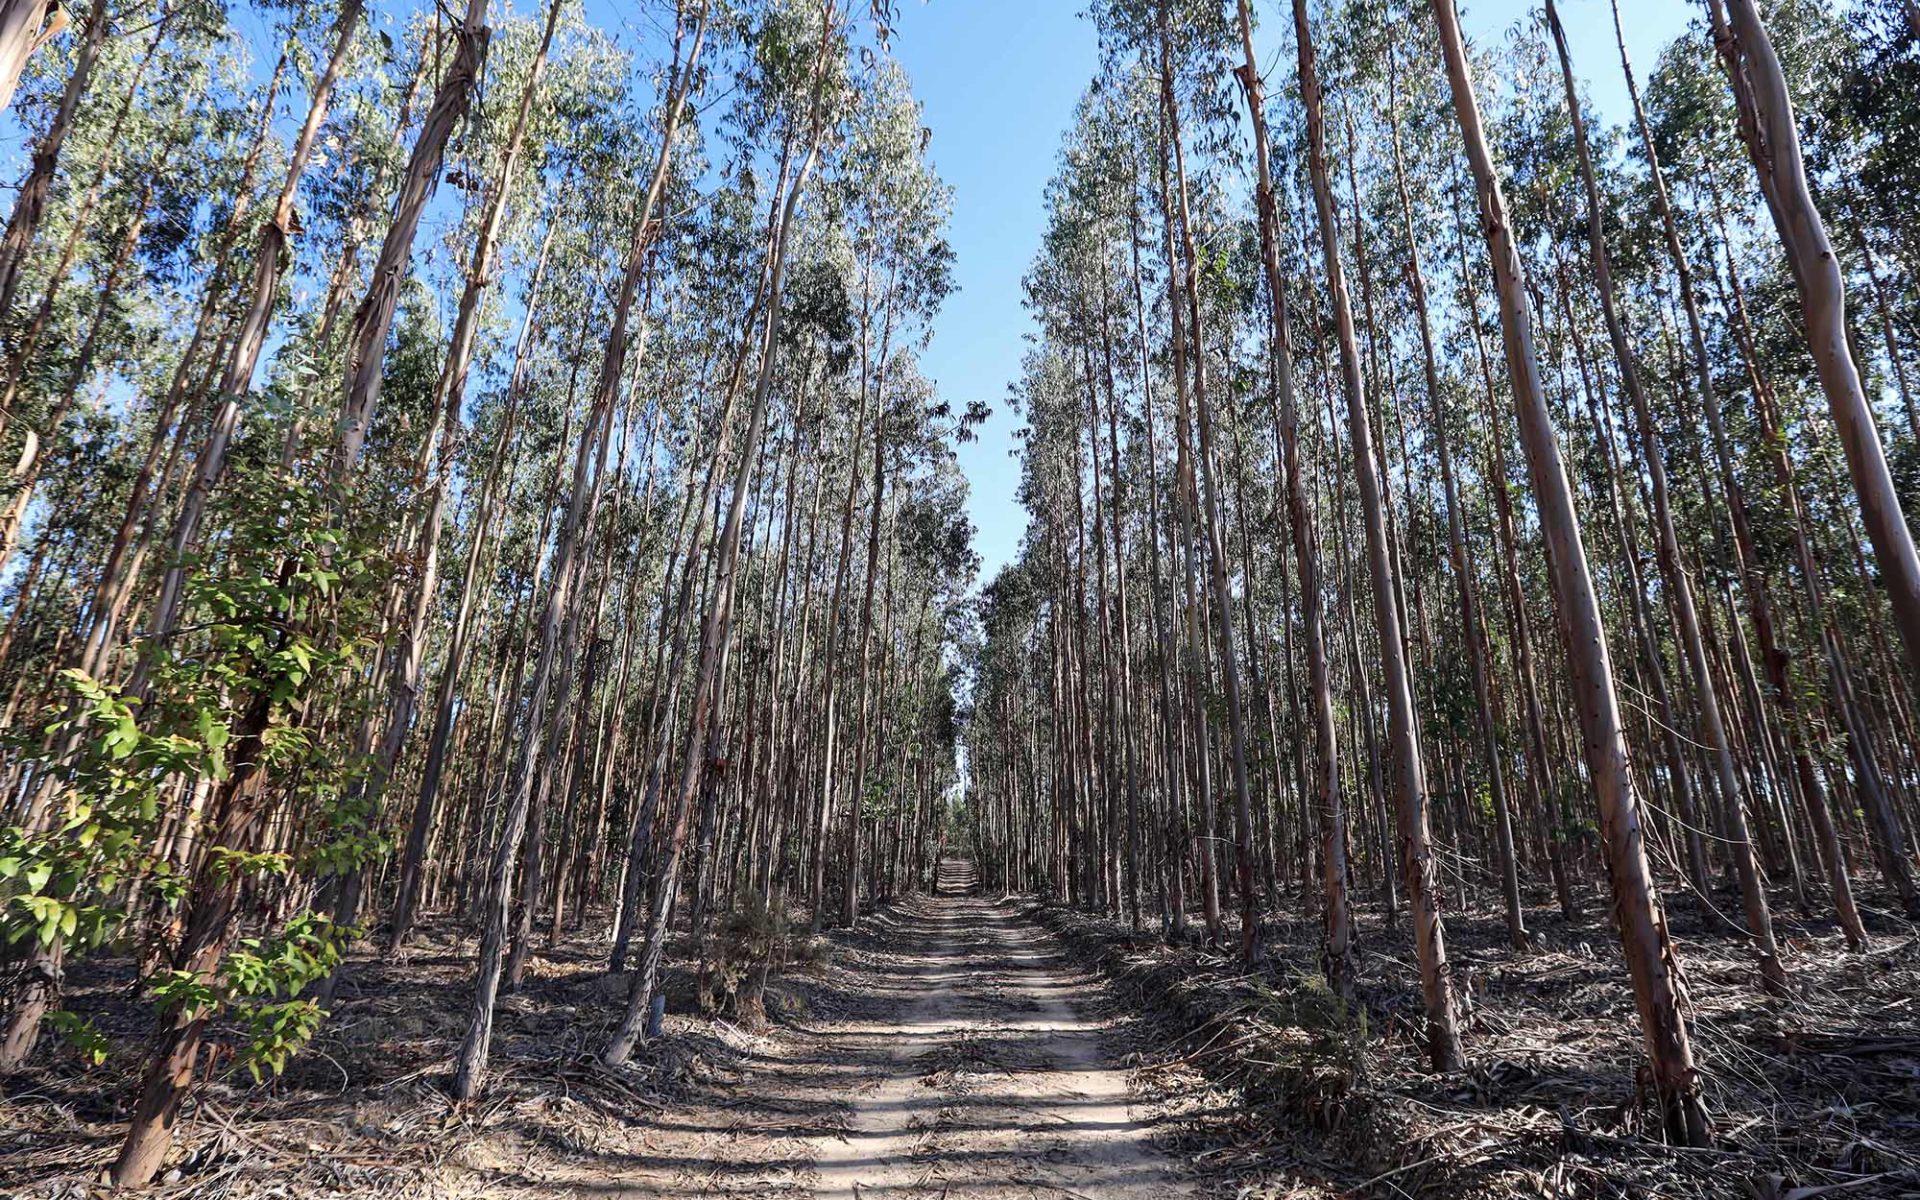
x=263 y=980
x=88 y=1042
x=278 y=1031
x=62 y=880
x=259 y=985
x=749 y=936
x=122 y=783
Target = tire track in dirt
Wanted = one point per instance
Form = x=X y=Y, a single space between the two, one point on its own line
x=889 y=1110
x=977 y=1074
x=945 y=1053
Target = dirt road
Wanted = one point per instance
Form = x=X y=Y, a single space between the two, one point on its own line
x=953 y=1057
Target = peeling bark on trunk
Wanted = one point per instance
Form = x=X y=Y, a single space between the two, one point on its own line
x=1713 y=733
x=1767 y=126
x=24 y=26
x=243 y=355
x=373 y=320
x=30 y=202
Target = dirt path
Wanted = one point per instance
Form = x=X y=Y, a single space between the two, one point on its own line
x=976 y=1074
x=951 y=1059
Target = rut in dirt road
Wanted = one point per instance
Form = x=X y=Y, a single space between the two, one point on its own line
x=974 y=1073
x=950 y=1054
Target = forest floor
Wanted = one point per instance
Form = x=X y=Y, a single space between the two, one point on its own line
x=958 y=1046
x=1814 y=1094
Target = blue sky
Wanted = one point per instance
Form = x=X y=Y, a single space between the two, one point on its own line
x=999 y=79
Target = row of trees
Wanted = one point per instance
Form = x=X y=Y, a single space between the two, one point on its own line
x=1290 y=619
x=462 y=465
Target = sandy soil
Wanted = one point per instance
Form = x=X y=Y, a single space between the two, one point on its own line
x=975 y=1073
x=958 y=1047
x=950 y=1058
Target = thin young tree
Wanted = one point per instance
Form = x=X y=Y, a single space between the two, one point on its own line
x=1403 y=733
x=1338 y=913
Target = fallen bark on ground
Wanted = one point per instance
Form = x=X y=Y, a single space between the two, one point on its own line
x=1814 y=1092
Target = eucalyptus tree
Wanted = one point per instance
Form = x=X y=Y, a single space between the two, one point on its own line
x=158 y=60
x=417 y=541
x=74 y=351
x=1409 y=769
x=1176 y=202
x=580 y=164
x=25 y=26
x=1679 y=586
x=244 y=355
x=1810 y=699
x=1486 y=717
x=30 y=202
x=648 y=366
x=896 y=208
x=1332 y=819
x=1772 y=137
x=1075 y=288
x=1643 y=930
x=811 y=85
x=237 y=806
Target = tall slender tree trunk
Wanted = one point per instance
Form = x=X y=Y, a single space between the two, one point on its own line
x=487 y=512
x=471 y=1063
x=407 y=654
x=1883 y=308
x=850 y=906
x=716 y=626
x=1713 y=733
x=830 y=686
x=1174 y=889
x=1225 y=638
x=1813 y=780
x=243 y=354
x=1643 y=931
x=1409 y=769
x=1772 y=137
x=1754 y=582
x=1124 y=673
x=373 y=320
x=30 y=202
x=1338 y=915
x=1472 y=627
x=24 y=26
